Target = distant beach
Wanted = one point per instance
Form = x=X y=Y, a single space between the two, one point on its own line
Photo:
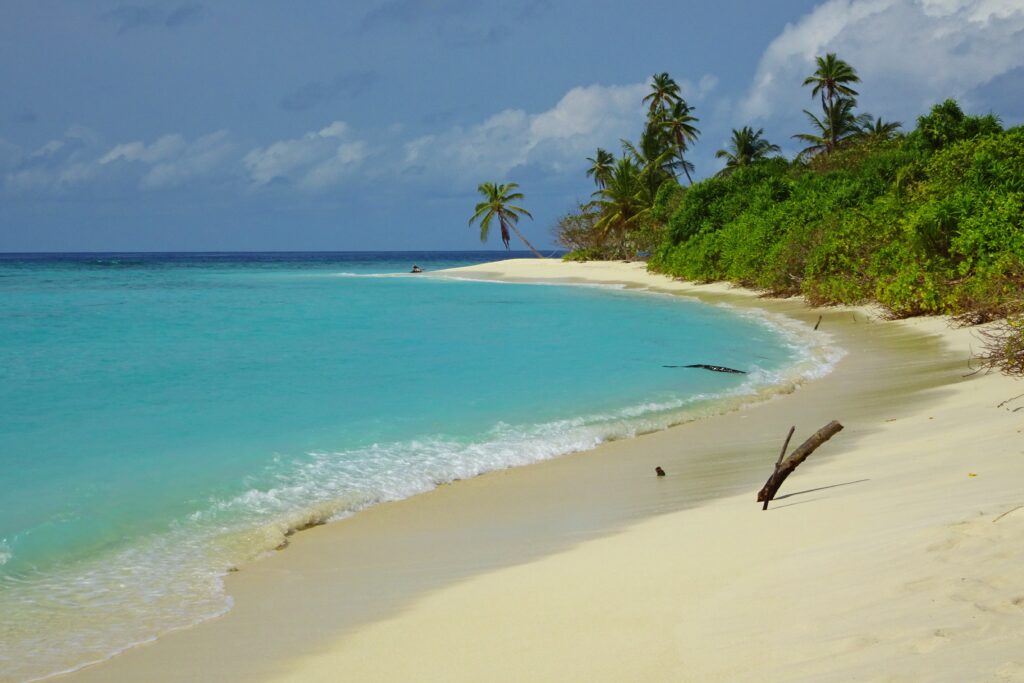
x=892 y=554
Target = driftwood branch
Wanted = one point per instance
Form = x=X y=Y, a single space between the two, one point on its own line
x=785 y=446
x=1008 y=512
x=785 y=466
x=1009 y=400
x=712 y=368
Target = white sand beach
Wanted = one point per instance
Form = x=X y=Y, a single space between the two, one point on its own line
x=895 y=553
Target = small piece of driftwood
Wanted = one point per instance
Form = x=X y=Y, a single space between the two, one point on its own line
x=712 y=368
x=784 y=466
x=785 y=446
x=817 y=323
x=1008 y=512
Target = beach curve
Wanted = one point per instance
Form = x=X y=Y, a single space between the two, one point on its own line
x=709 y=593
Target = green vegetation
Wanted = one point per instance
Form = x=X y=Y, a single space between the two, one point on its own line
x=927 y=222
x=745 y=148
x=832 y=80
x=628 y=207
x=498 y=203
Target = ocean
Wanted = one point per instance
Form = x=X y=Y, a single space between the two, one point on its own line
x=169 y=417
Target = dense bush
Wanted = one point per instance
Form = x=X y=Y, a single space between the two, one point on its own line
x=930 y=223
x=946 y=124
x=575 y=230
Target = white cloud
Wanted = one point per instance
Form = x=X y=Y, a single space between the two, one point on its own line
x=338 y=129
x=171 y=159
x=47 y=150
x=559 y=138
x=28 y=180
x=75 y=173
x=314 y=161
x=908 y=53
x=705 y=85
x=203 y=157
x=336 y=168
x=74 y=160
x=164 y=148
x=57 y=165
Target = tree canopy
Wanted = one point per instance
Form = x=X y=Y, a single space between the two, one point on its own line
x=498 y=204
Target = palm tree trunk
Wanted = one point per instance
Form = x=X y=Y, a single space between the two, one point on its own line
x=682 y=161
x=525 y=241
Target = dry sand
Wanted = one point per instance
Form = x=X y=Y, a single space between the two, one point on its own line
x=896 y=553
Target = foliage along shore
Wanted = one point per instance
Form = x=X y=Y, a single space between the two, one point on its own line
x=927 y=222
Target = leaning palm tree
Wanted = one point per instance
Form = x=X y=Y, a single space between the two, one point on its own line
x=837 y=125
x=879 y=130
x=601 y=165
x=664 y=92
x=498 y=202
x=678 y=125
x=832 y=79
x=745 y=147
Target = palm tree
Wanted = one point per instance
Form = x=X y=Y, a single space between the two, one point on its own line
x=664 y=92
x=837 y=125
x=625 y=199
x=652 y=157
x=678 y=124
x=832 y=79
x=879 y=130
x=498 y=202
x=746 y=147
x=601 y=165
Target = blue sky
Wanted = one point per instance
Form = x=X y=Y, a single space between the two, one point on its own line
x=241 y=125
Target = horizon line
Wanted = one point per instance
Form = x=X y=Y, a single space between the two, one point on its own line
x=276 y=251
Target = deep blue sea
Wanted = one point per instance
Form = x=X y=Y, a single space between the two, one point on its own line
x=165 y=417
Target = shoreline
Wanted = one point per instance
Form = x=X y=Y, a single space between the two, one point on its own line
x=296 y=614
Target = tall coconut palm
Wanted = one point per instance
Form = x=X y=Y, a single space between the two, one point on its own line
x=836 y=126
x=498 y=203
x=745 y=147
x=879 y=130
x=832 y=79
x=677 y=123
x=624 y=201
x=652 y=156
x=664 y=92
x=601 y=165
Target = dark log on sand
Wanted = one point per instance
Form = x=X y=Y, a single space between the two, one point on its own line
x=785 y=466
x=712 y=368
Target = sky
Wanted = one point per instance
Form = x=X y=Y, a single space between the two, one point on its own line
x=247 y=125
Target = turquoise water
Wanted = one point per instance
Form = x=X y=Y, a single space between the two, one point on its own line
x=166 y=418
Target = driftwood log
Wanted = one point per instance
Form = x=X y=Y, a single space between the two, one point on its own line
x=712 y=368
x=784 y=466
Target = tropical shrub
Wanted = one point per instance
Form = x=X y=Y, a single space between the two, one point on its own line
x=946 y=124
x=575 y=230
x=929 y=223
